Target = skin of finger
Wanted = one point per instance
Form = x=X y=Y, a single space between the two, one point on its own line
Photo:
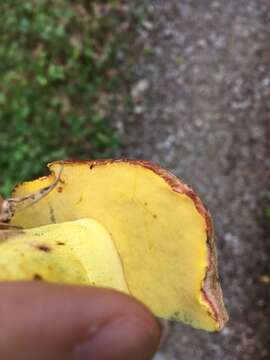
x=45 y=321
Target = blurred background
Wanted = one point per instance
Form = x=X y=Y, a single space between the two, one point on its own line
x=183 y=83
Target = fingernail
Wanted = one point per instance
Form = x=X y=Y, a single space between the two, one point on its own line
x=119 y=339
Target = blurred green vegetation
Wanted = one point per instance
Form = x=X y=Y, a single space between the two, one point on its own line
x=58 y=65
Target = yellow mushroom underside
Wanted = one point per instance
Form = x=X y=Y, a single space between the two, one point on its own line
x=159 y=233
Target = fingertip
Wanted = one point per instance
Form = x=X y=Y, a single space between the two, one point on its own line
x=129 y=337
x=53 y=321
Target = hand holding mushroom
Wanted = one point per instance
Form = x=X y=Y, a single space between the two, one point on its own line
x=127 y=225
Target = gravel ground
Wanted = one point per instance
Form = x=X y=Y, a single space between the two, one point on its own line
x=202 y=93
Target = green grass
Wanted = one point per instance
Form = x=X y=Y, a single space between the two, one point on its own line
x=58 y=66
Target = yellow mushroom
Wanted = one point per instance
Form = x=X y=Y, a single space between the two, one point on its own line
x=157 y=224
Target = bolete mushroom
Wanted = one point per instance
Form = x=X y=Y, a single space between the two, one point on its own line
x=158 y=234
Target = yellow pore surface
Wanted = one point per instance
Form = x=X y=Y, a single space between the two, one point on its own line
x=159 y=234
x=78 y=252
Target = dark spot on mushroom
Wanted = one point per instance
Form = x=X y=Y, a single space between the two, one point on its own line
x=60 y=189
x=80 y=200
x=60 y=243
x=37 y=277
x=145 y=204
x=43 y=247
x=92 y=166
x=154 y=216
x=52 y=216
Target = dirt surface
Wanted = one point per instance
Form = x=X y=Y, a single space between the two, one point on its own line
x=202 y=93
